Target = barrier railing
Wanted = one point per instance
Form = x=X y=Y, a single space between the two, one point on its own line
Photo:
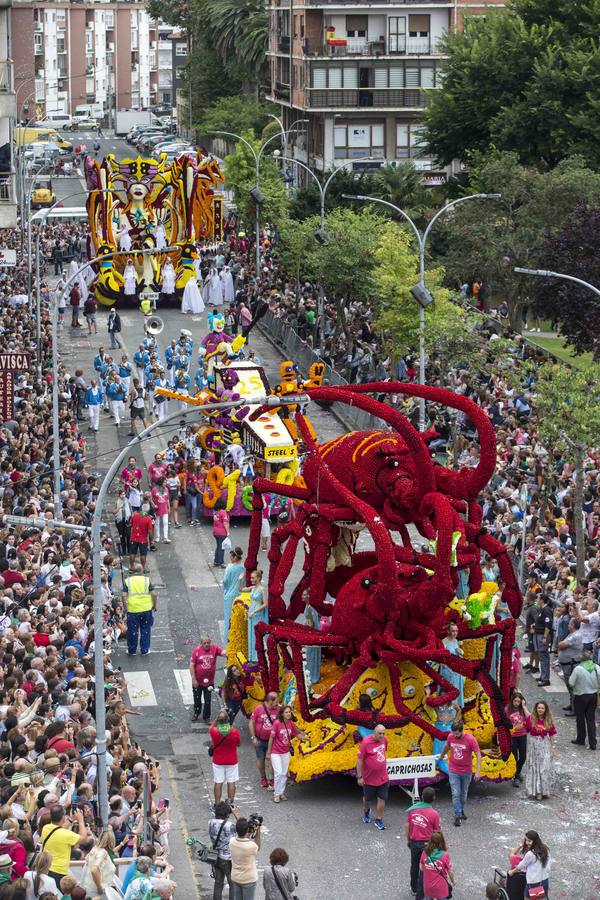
x=290 y=344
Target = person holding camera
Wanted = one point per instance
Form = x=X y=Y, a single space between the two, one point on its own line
x=279 y=881
x=244 y=847
x=220 y=831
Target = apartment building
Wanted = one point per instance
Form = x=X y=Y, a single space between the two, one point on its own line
x=88 y=52
x=359 y=73
x=8 y=202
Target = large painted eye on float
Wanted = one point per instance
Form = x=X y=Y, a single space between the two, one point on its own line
x=366 y=584
x=393 y=464
x=410 y=690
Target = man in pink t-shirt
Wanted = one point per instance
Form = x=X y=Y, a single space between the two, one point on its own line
x=421 y=821
x=461 y=748
x=203 y=668
x=372 y=776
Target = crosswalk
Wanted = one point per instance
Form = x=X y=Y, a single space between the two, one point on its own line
x=140 y=690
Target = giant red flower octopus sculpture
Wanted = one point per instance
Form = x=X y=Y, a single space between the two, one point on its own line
x=389 y=605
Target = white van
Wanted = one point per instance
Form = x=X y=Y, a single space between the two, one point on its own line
x=55 y=120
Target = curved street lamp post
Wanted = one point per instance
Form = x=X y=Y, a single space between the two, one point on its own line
x=420 y=292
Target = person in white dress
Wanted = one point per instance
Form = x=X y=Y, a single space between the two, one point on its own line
x=124 y=239
x=160 y=405
x=160 y=236
x=130 y=279
x=215 y=288
x=168 y=278
x=72 y=270
x=227 y=282
x=83 y=287
x=192 y=298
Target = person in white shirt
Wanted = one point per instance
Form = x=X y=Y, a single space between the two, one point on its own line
x=537 y=862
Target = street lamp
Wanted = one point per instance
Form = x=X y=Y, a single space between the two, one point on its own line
x=101 y=776
x=546 y=273
x=255 y=192
x=320 y=234
x=284 y=135
x=420 y=292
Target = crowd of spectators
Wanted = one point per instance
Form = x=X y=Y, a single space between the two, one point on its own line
x=49 y=815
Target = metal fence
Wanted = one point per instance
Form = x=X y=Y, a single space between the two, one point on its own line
x=290 y=345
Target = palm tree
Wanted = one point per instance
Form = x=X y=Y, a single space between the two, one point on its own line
x=401 y=184
x=237 y=29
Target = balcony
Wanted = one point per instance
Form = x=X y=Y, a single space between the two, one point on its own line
x=282 y=91
x=377 y=3
x=365 y=98
x=8 y=104
x=8 y=202
x=360 y=47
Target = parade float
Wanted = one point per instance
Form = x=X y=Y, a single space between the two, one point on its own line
x=382 y=612
x=141 y=205
x=242 y=445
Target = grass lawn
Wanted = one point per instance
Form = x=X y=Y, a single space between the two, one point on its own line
x=555 y=346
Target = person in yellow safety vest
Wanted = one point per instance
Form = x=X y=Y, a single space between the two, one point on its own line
x=146 y=306
x=141 y=605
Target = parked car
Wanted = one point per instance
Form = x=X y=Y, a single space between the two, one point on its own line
x=149 y=144
x=136 y=132
x=83 y=124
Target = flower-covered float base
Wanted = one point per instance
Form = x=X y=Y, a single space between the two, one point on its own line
x=332 y=746
x=383 y=612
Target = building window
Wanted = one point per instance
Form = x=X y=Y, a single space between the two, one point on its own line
x=109 y=18
x=357 y=26
x=181 y=48
x=397 y=34
x=409 y=142
x=60 y=45
x=179 y=72
x=359 y=141
x=409 y=76
x=335 y=77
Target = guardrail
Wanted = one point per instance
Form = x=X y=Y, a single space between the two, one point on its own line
x=291 y=345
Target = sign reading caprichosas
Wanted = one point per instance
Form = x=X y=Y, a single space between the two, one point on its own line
x=15 y=362
x=8 y=257
x=410 y=767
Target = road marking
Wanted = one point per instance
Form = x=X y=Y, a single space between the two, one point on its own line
x=139 y=688
x=183 y=678
x=221 y=624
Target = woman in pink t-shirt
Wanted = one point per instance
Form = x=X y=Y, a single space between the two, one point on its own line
x=160 y=499
x=436 y=868
x=517 y=712
x=220 y=532
x=280 y=749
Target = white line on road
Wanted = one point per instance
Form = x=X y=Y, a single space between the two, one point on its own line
x=221 y=624
x=184 y=683
x=139 y=688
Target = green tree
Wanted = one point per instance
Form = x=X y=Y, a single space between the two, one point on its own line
x=240 y=177
x=396 y=310
x=237 y=114
x=238 y=30
x=524 y=79
x=486 y=240
x=296 y=248
x=568 y=407
x=402 y=185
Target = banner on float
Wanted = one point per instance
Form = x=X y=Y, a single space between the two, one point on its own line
x=410 y=767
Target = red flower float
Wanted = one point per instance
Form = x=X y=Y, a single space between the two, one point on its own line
x=391 y=604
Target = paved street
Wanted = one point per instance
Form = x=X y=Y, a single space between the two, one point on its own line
x=333 y=852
